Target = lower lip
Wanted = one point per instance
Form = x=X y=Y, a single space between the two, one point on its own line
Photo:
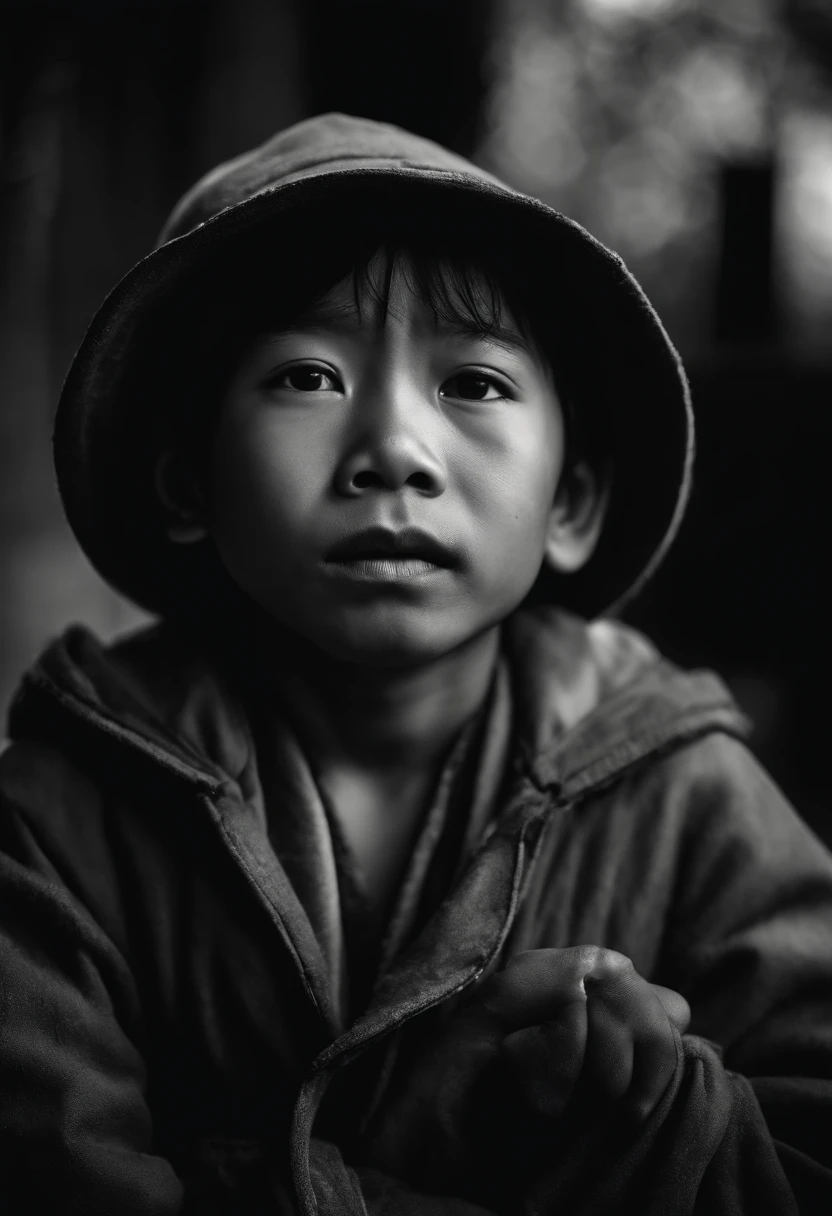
x=383 y=569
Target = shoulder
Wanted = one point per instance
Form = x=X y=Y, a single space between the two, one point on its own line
x=155 y=702
x=80 y=762
x=615 y=704
x=707 y=825
x=698 y=838
x=40 y=782
x=53 y=815
x=671 y=747
x=730 y=808
x=56 y=765
x=709 y=784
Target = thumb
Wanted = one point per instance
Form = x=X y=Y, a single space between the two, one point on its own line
x=547 y=1059
x=675 y=1006
x=533 y=988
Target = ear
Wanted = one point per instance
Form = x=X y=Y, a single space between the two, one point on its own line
x=577 y=517
x=179 y=493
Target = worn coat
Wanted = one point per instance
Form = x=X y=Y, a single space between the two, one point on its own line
x=171 y=1041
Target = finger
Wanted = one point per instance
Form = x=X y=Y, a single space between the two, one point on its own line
x=675 y=1005
x=546 y=1060
x=632 y=1046
x=533 y=987
x=656 y=1049
x=630 y=1043
x=655 y=1059
x=608 y=1060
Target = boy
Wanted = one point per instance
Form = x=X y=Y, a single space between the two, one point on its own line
x=375 y=879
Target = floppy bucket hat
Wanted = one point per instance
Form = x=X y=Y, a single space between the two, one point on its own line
x=323 y=171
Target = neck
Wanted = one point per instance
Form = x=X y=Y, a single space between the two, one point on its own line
x=389 y=720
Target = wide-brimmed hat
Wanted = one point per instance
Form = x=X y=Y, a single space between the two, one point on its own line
x=322 y=172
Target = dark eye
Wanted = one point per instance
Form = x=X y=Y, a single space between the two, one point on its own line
x=305 y=378
x=472 y=386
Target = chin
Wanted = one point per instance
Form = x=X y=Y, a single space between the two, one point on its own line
x=391 y=640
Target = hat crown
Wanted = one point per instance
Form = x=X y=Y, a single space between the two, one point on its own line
x=315 y=146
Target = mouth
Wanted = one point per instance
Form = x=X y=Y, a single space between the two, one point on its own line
x=381 y=555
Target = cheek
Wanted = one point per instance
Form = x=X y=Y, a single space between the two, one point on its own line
x=266 y=479
x=513 y=482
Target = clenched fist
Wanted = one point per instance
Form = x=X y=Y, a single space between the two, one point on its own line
x=582 y=1019
x=478 y=1098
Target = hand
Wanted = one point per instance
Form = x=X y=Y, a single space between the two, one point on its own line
x=583 y=1021
x=552 y=1025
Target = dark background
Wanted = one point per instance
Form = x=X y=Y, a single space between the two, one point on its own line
x=694 y=136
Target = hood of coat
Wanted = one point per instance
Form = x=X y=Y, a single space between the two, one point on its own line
x=338 y=174
x=589 y=701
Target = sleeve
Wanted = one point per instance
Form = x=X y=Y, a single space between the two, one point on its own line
x=76 y=1132
x=745 y=1129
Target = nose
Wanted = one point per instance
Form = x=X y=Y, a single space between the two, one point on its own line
x=391 y=454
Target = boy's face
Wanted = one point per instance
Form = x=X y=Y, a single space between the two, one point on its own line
x=340 y=437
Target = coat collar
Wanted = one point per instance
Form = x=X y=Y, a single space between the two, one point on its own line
x=590 y=700
x=594 y=699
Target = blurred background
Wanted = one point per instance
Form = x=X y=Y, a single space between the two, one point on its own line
x=693 y=136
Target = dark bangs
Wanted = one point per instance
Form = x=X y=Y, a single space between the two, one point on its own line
x=463 y=288
x=464 y=293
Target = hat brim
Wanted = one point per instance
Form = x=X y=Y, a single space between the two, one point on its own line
x=101 y=463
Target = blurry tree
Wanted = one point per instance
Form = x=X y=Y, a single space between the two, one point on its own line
x=810 y=21
x=621 y=112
